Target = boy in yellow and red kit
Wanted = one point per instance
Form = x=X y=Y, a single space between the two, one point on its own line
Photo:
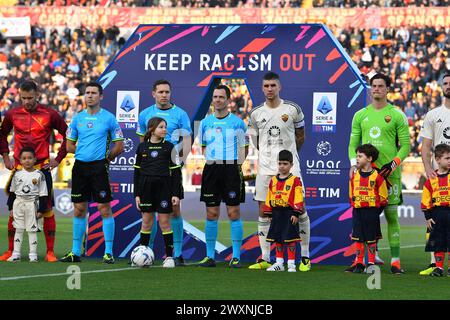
x=436 y=207
x=284 y=203
x=368 y=197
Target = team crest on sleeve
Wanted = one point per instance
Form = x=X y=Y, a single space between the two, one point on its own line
x=118 y=132
x=285 y=117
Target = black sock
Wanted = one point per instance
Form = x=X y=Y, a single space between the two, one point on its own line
x=145 y=239
x=168 y=241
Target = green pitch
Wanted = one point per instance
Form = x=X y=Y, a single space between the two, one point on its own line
x=44 y=280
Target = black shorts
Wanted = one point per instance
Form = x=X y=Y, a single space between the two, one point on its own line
x=90 y=180
x=156 y=195
x=439 y=240
x=281 y=228
x=366 y=225
x=222 y=182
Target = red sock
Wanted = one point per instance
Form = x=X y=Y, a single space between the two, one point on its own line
x=279 y=250
x=372 y=249
x=11 y=233
x=439 y=256
x=291 y=251
x=49 y=231
x=359 y=252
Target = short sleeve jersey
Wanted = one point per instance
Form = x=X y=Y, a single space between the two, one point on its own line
x=275 y=128
x=29 y=184
x=436 y=126
x=178 y=123
x=93 y=134
x=222 y=137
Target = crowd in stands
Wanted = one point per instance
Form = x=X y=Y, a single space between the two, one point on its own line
x=61 y=61
x=236 y=3
x=380 y=3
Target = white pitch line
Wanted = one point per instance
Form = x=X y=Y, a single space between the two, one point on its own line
x=406 y=247
x=83 y=272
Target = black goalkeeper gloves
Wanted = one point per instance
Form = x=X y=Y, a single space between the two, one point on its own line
x=387 y=168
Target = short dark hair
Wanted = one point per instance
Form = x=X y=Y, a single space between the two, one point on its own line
x=445 y=76
x=160 y=81
x=94 y=84
x=285 y=155
x=382 y=76
x=28 y=86
x=27 y=149
x=224 y=87
x=271 y=76
x=369 y=150
x=440 y=150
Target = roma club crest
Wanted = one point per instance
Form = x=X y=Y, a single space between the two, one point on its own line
x=387 y=119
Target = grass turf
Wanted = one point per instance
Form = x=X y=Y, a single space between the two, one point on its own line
x=190 y=282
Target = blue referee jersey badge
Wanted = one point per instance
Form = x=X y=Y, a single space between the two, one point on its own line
x=154 y=154
x=102 y=194
x=90 y=125
x=164 y=204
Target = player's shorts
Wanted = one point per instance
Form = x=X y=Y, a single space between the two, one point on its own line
x=90 y=180
x=262 y=185
x=366 y=225
x=395 y=192
x=439 y=240
x=49 y=183
x=281 y=228
x=222 y=182
x=24 y=212
x=156 y=194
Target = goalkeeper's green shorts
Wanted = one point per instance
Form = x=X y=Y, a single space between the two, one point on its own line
x=395 y=191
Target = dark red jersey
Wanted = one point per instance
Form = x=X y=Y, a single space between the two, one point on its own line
x=33 y=129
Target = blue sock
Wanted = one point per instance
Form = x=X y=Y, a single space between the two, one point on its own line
x=237 y=232
x=78 y=230
x=177 y=227
x=154 y=230
x=108 y=233
x=211 y=237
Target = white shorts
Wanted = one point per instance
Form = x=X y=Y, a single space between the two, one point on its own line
x=262 y=185
x=24 y=213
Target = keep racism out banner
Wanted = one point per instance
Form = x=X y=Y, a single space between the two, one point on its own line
x=315 y=72
x=131 y=17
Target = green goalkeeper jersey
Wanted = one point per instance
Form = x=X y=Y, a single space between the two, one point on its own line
x=386 y=129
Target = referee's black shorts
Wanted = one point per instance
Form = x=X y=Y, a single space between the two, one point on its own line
x=222 y=182
x=90 y=181
x=155 y=194
x=366 y=225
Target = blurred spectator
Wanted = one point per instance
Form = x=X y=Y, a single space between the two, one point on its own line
x=196 y=178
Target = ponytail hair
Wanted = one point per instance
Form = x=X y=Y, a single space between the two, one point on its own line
x=152 y=124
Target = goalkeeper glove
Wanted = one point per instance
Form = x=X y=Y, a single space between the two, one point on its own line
x=387 y=169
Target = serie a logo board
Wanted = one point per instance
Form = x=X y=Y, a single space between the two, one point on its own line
x=315 y=73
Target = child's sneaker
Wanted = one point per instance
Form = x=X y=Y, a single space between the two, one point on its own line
x=291 y=267
x=169 y=263
x=33 y=258
x=14 y=258
x=277 y=266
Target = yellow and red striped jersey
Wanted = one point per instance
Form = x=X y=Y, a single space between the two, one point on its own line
x=284 y=193
x=368 y=190
x=436 y=192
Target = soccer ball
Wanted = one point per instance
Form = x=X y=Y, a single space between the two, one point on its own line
x=142 y=256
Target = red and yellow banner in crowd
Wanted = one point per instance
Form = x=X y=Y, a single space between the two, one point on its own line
x=132 y=17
